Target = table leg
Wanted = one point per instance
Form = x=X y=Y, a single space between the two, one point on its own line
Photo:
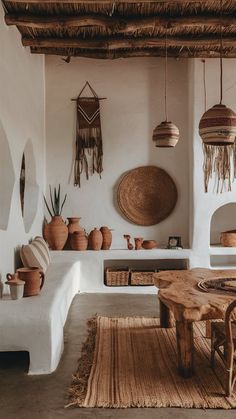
x=185 y=348
x=166 y=316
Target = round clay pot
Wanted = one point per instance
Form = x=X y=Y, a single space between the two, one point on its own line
x=79 y=240
x=56 y=233
x=107 y=238
x=95 y=239
x=33 y=278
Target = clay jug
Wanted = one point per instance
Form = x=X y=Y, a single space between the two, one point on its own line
x=56 y=233
x=95 y=239
x=79 y=240
x=107 y=237
x=33 y=278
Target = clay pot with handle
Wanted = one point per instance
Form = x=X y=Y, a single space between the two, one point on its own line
x=79 y=240
x=95 y=239
x=56 y=233
x=34 y=280
x=107 y=237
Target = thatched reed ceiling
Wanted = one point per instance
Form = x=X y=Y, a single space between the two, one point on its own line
x=118 y=28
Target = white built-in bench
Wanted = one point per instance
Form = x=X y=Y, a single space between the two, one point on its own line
x=35 y=324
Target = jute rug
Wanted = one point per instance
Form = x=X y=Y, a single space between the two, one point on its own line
x=131 y=362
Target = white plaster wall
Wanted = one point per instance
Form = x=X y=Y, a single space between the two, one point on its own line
x=134 y=89
x=205 y=204
x=22 y=117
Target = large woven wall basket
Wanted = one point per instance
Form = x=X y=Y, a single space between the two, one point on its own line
x=146 y=195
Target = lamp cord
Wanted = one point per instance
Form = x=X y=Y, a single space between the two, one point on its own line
x=204 y=84
x=221 y=51
x=166 y=115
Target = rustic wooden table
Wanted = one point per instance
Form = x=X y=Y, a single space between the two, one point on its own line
x=181 y=300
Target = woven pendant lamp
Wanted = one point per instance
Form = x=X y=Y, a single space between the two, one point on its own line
x=166 y=134
x=217 y=128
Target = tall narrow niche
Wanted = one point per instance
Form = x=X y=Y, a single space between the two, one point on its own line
x=7 y=179
x=22 y=184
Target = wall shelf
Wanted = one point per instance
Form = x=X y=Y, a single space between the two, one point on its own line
x=221 y=250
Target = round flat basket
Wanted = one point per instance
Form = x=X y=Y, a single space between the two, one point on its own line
x=146 y=195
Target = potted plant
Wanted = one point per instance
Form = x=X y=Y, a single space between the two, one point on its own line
x=55 y=232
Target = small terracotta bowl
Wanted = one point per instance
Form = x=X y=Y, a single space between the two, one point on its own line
x=149 y=244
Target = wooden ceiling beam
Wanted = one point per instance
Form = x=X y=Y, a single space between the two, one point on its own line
x=130 y=53
x=122 y=25
x=103 y=1
x=118 y=43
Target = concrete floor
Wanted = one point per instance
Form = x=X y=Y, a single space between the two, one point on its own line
x=44 y=397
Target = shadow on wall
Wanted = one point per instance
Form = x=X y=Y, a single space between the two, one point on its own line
x=7 y=179
x=31 y=194
x=223 y=219
x=173 y=160
x=17 y=259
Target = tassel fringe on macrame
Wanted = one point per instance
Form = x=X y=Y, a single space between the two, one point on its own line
x=89 y=153
x=221 y=161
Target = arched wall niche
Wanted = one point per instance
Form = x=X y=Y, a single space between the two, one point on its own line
x=7 y=179
x=223 y=219
x=31 y=191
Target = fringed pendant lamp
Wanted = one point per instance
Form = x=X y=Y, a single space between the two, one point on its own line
x=166 y=134
x=217 y=128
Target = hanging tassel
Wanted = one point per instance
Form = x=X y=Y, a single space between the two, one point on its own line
x=219 y=160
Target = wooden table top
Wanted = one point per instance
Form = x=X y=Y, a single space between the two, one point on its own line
x=179 y=291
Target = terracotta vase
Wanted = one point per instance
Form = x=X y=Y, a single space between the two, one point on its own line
x=106 y=238
x=95 y=239
x=73 y=224
x=79 y=240
x=33 y=278
x=56 y=233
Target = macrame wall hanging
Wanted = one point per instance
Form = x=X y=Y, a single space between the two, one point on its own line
x=89 y=149
x=217 y=128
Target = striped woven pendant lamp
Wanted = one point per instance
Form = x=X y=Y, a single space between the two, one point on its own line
x=217 y=126
x=166 y=134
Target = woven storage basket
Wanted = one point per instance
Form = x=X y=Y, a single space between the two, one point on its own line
x=117 y=277
x=228 y=238
x=142 y=277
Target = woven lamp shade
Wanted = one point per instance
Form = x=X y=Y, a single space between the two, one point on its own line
x=166 y=135
x=218 y=126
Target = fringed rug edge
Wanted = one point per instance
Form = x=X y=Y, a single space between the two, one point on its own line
x=79 y=385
